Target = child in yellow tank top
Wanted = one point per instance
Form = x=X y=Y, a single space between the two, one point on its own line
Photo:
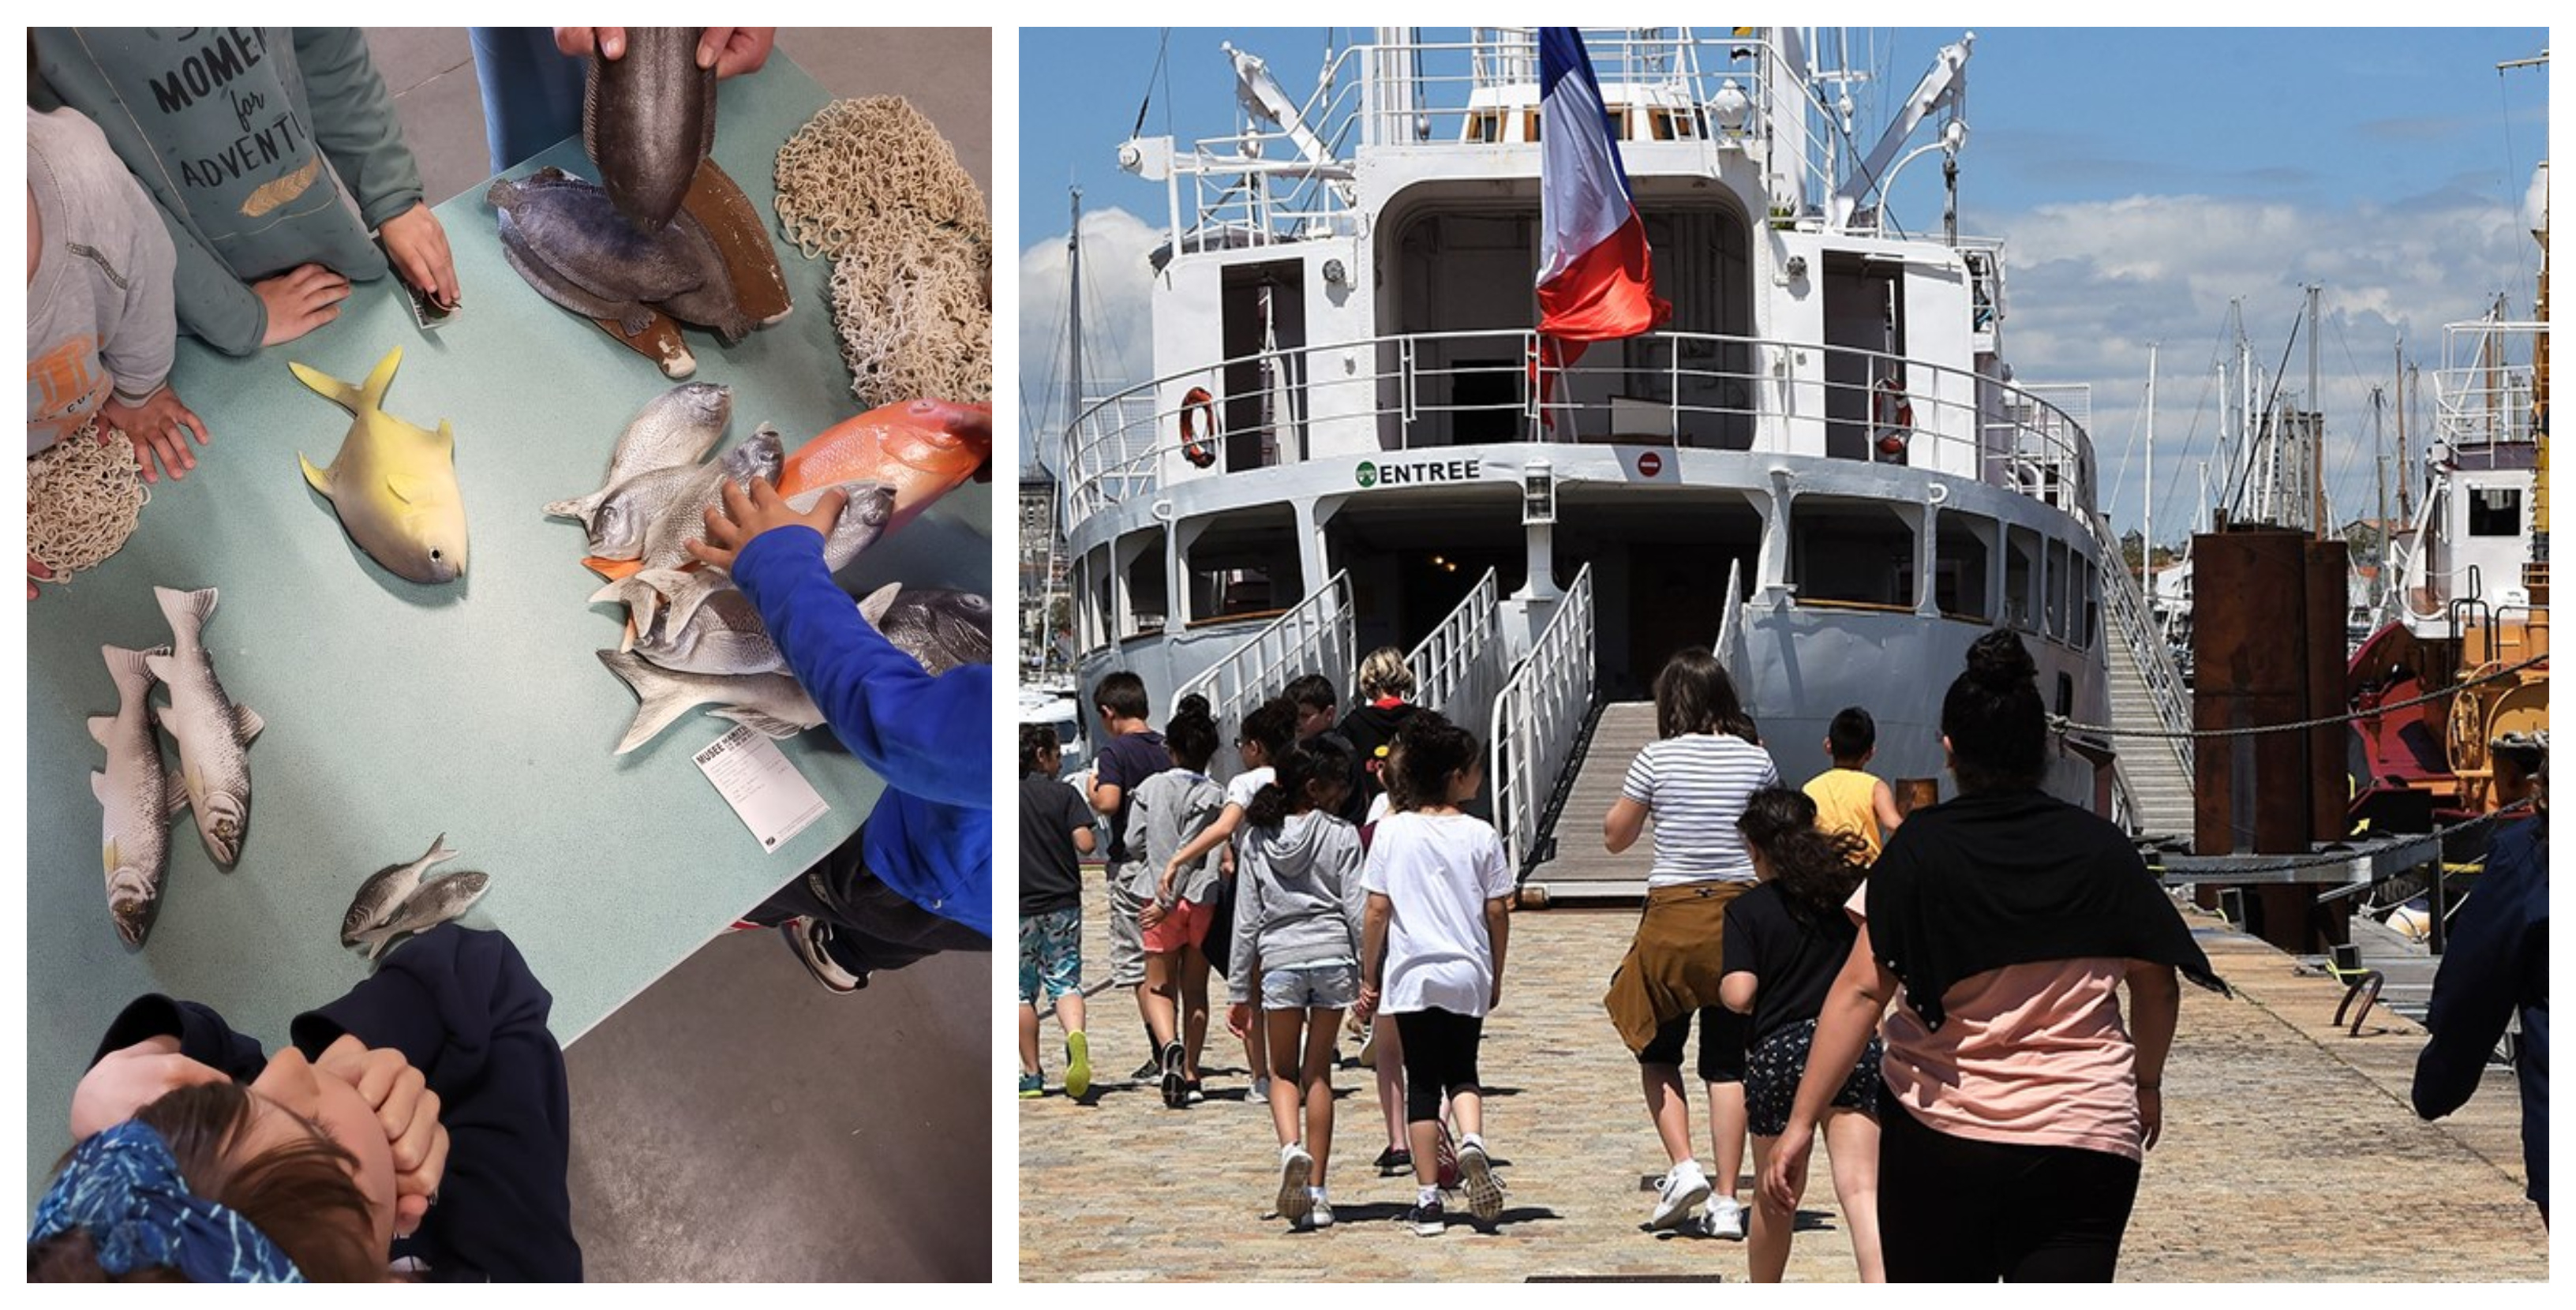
x=1847 y=798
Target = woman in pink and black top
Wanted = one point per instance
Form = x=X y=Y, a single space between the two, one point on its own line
x=2018 y=1106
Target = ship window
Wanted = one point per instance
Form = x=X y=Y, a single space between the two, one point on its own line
x=1148 y=591
x=1959 y=564
x=1850 y=553
x=2021 y=565
x=1529 y=125
x=1660 y=122
x=1618 y=122
x=1485 y=125
x=2053 y=589
x=2495 y=512
x=1245 y=566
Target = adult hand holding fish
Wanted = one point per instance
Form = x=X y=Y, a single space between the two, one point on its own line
x=731 y=51
x=747 y=514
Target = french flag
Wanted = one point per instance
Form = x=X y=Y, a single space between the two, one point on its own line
x=1596 y=278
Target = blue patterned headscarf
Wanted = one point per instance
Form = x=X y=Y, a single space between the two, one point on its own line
x=123 y=1187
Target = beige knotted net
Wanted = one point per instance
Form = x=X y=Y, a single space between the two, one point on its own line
x=871 y=183
x=83 y=496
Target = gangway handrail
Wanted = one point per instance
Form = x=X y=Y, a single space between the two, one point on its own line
x=2127 y=606
x=1316 y=635
x=1537 y=718
x=1444 y=659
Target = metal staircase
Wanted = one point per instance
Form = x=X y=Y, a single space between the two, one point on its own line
x=1578 y=868
x=1462 y=665
x=2147 y=695
x=1538 y=722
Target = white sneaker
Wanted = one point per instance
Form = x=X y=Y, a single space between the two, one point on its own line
x=1321 y=1216
x=1725 y=1219
x=1684 y=1186
x=1296 y=1169
x=1476 y=1176
x=1260 y=1093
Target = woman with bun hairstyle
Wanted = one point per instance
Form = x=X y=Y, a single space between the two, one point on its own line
x=2018 y=1105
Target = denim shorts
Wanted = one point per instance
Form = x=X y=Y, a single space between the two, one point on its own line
x=1310 y=987
x=1050 y=954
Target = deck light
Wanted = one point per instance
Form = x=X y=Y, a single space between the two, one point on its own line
x=1538 y=493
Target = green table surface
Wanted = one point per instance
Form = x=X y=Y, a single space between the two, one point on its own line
x=396 y=712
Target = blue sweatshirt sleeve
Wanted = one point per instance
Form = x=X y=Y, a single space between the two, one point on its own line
x=923 y=735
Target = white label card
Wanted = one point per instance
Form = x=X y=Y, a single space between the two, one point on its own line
x=764 y=789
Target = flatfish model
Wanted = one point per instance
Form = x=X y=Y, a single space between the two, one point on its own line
x=136 y=797
x=573 y=235
x=939 y=627
x=393 y=484
x=647 y=118
x=381 y=896
x=677 y=427
x=772 y=704
x=435 y=903
x=920 y=448
x=212 y=733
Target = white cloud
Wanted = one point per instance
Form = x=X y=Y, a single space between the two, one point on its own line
x=1118 y=344
x=2093 y=283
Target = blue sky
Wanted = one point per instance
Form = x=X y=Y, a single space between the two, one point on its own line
x=2142 y=178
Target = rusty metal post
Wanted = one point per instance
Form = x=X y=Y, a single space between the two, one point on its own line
x=2249 y=659
x=2329 y=786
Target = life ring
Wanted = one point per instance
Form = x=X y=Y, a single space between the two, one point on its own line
x=1892 y=413
x=1199 y=451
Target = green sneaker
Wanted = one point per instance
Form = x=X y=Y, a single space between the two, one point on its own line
x=1032 y=1086
x=1077 y=1066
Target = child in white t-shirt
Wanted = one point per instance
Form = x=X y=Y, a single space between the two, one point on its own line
x=1432 y=957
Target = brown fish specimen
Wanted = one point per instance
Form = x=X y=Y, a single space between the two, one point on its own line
x=719 y=205
x=647 y=118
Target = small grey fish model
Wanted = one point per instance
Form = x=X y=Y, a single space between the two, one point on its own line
x=435 y=903
x=862 y=520
x=137 y=799
x=647 y=118
x=675 y=428
x=381 y=896
x=939 y=627
x=769 y=703
x=682 y=518
x=722 y=635
x=213 y=734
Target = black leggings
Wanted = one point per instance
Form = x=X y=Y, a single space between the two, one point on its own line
x=1439 y=1057
x=1956 y=1210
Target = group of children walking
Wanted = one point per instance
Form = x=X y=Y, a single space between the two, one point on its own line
x=1397 y=920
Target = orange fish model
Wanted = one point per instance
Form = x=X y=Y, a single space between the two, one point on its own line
x=922 y=448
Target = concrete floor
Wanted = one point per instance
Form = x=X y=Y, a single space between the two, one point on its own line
x=736 y=1121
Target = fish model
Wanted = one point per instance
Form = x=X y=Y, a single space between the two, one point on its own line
x=712 y=303
x=567 y=240
x=772 y=704
x=435 y=903
x=676 y=515
x=393 y=484
x=213 y=734
x=677 y=427
x=921 y=448
x=722 y=636
x=137 y=799
x=647 y=118
x=381 y=896
x=936 y=626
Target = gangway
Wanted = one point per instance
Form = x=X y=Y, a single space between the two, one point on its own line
x=1317 y=635
x=1538 y=720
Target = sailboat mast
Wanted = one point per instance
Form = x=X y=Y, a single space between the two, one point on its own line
x=2147 y=550
x=2312 y=446
x=1073 y=321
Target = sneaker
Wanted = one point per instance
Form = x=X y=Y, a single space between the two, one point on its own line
x=1147 y=1072
x=1296 y=1169
x=1684 y=1186
x=1077 y=1065
x=1259 y=1093
x=1174 y=1086
x=810 y=939
x=1476 y=1175
x=1427 y=1218
x=1192 y=1093
x=1725 y=1219
x=1032 y=1085
x=1444 y=1159
x=1392 y=1161
x=1319 y=1215
x=1368 y=1047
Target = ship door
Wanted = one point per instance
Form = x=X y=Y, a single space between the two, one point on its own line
x=1864 y=300
x=1265 y=338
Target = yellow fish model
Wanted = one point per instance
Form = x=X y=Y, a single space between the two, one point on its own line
x=393 y=484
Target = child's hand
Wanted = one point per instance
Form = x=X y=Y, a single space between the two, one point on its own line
x=419 y=249
x=299 y=300
x=160 y=427
x=747 y=514
x=408 y=1112
x=1149 y=916
x=1365 y=1008
x=1238 y=1019
x=1163 y=890
x=36 y=571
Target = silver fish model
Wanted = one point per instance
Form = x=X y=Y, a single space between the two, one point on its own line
x=936 y=626
x=769 y=703
x=381 y=896
x=723 y=634
x=136 y=797
x=435 y=903
x=213 y=734
x=862 y=520
x=671 y=524
x=647 y=118
x=663 y=600
x=675 y=428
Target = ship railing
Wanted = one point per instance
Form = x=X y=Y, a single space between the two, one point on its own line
x=2146 y=645
x=1316 y=635
x=1456 y=669
x=2481 y=405
x=1537 y=719
x=1437 y=390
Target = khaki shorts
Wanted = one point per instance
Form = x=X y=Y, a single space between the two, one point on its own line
x=1126 y=935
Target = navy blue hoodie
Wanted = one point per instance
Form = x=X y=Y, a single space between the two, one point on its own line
x=463 y=1008
x=2496 y=969
x=930 y=837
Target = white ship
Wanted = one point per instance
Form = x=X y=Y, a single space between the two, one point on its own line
x=1820 y=467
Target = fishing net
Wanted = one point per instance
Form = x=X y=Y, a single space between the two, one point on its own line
x=871 y=183
x=83 y=496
